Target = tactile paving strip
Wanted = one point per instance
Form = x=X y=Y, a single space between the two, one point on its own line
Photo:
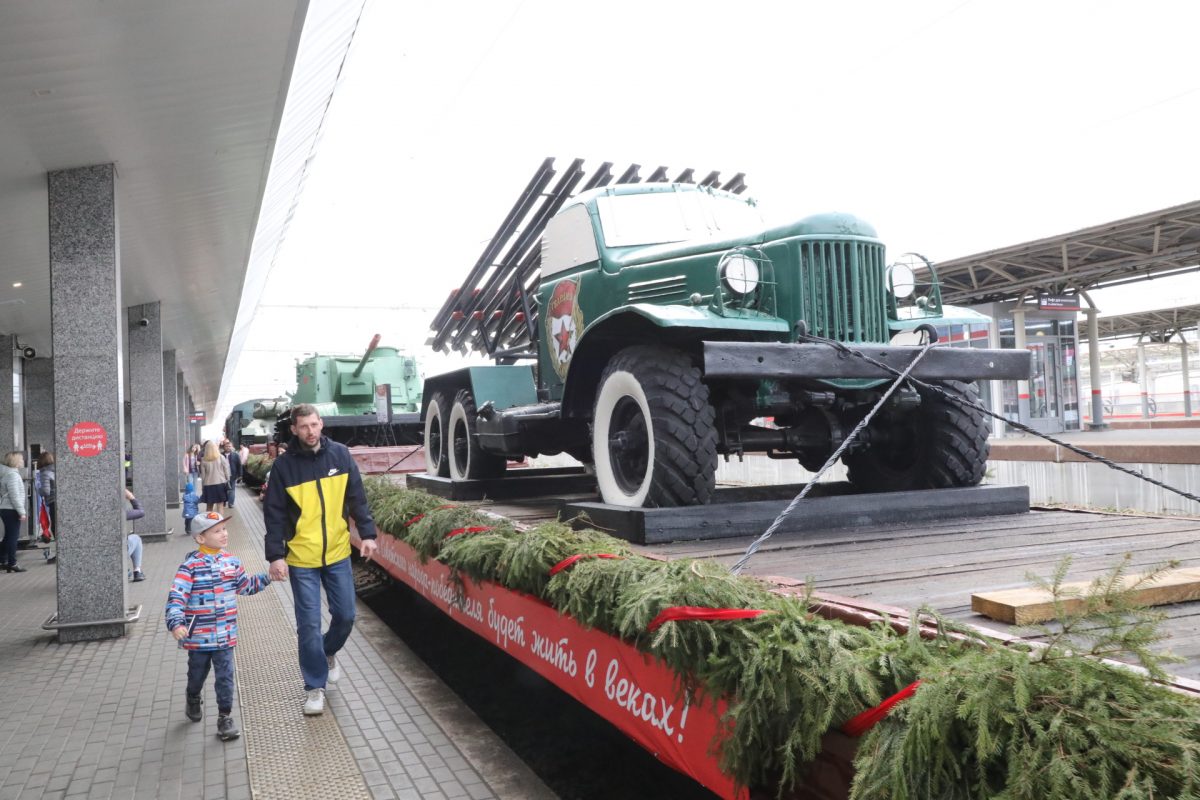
x=289 y=755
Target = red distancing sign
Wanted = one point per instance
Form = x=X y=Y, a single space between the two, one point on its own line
x=87 y=439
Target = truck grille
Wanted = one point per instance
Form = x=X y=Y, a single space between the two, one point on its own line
x=843 y=290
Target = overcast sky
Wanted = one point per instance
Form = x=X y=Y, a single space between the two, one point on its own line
x=953 y=127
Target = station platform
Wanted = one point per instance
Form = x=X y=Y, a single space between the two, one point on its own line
x=1175 y=445
x=106 y=719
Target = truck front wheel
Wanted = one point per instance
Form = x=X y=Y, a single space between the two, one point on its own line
x=467 y=460
x=437 y=459
x=654 y=438
x=940 y=445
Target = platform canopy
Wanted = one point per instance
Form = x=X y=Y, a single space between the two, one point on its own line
x=187 y=99
x=1157 y=244
x=1157 y=326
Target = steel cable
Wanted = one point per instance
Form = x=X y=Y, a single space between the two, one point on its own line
x=774 y=526
x=1018 y=425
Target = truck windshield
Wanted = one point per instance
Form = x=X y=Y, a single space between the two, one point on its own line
x=661 y=217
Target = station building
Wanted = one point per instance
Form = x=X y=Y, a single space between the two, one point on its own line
x=1039 y=296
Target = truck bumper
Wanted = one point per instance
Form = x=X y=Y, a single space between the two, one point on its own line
x=781 y=361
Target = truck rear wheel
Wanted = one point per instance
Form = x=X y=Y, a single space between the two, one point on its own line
x=654 y=438
x=941 y=445
x=467 y=460
x=437 y=458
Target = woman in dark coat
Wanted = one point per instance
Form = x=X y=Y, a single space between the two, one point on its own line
x=46 y=485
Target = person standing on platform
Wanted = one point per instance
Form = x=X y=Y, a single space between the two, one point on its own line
x=12 y=508
x=191 y=506
x=235 y=471
x=47 y=486
x=314 y=489
x=214 y=475
x=192 y=462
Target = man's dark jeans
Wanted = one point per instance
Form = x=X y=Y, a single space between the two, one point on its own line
x=338 y=580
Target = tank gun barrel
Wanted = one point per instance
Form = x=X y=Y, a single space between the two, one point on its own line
x=269 y=409
x=363 y=361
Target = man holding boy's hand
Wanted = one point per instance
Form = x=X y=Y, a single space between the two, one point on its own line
x=314 y=488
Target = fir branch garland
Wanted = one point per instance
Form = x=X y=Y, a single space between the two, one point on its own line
x=989 y=722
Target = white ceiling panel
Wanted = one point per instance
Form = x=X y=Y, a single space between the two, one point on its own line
x=187 y=99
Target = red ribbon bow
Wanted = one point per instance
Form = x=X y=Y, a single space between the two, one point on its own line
x=421 y=516
x=569 y=561
x=868 y=719
x=684 y=613
x=471 y=529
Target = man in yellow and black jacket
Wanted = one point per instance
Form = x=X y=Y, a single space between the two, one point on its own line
x=313 y=491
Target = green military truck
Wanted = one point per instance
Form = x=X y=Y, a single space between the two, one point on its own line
x=648 y=327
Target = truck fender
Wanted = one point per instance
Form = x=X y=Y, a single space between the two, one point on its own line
x=505 y=386
x=681 y=326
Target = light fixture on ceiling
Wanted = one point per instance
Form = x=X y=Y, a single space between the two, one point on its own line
x=17 y=285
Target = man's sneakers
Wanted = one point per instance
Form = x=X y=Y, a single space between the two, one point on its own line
x=195 y=708
x=314 y=703
x=138 y=576
x=226 y=728
x=335 y=672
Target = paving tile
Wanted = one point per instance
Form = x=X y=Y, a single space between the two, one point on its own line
x=105 y=719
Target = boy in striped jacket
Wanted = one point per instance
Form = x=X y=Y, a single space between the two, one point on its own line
x=202 y=616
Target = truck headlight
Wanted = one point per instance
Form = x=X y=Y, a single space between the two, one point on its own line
x=902 y=280
x=740 y=273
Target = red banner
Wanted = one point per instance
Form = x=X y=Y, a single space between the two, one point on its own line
x=624 y=686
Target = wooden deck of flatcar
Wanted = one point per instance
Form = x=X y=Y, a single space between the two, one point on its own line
x=940 y=564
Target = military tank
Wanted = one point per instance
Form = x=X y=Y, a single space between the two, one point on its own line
x=253 y=422
x=349 y=392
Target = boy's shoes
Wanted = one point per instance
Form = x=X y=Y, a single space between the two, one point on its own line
x=226 y=728
x=314 y=703
x=138 y=576
x=335 y=672
x=195 y=708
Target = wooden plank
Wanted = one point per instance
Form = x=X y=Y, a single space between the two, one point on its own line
x=1031 y=605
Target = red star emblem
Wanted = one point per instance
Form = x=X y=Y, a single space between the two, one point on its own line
x=564 y=339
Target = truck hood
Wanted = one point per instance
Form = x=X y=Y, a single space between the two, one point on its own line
x=820 y=226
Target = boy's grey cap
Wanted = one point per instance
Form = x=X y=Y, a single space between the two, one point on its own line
x=203 y=522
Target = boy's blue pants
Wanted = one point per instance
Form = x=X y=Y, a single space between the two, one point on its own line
x=222 y=663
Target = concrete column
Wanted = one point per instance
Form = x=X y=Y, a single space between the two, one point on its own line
x=181 y=422
x=144 y=326
x=1022 y=386
x=172 y=455
x=1093 y=333
x=85 y=313
x=1187 y=379
x=1142 y=380
x=8 y=439
x=39 y=403
x=193 y=428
